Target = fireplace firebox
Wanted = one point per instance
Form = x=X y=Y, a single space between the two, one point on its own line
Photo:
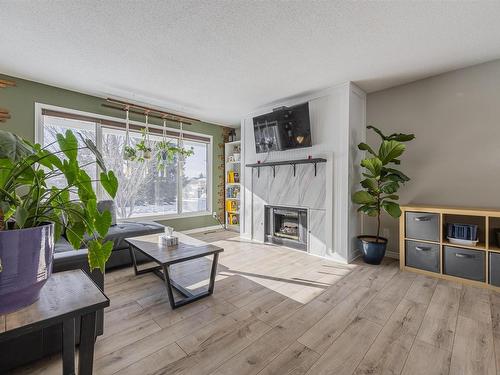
x=286 y=226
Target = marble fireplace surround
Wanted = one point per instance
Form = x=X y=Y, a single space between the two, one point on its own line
x=304 y=190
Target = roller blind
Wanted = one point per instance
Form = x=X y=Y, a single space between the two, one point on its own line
x=121 y=125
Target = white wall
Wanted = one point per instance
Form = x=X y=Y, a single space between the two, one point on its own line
x=337 y=125
x=455 y=158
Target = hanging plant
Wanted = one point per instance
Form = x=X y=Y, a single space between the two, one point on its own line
x=166 y=152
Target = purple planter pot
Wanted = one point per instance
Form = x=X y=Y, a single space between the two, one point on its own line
x=26 y=256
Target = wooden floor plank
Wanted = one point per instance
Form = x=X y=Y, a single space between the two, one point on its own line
x=427 y=359
x=297 y=359
x=473 y=352
x=438 y=327
x=388 y=353
x=344 y=355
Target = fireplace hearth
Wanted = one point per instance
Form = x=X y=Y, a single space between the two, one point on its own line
x=286 y=226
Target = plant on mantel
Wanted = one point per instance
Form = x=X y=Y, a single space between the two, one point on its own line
x=28 y=200
x=381 y=182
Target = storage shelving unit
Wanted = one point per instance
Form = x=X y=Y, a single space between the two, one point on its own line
x=232 y=190
x=486 y=250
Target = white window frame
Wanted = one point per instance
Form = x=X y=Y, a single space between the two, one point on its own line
x=39 y=131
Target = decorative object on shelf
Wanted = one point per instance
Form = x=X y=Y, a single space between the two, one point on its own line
x=462 y=234
x=4 y=113
x=381 y=183
x=232 y=135
x=36 y=214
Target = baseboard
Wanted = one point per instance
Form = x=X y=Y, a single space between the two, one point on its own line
x=392 y=254
x=203 y=229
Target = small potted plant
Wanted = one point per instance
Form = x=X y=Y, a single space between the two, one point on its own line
x=380 y=185
x=34 y=213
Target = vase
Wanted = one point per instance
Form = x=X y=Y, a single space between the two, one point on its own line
x=373 y=251
x=26 y=258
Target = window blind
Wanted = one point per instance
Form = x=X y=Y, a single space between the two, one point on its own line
x=116 y=124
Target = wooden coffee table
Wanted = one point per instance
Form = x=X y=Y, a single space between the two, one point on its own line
x=166 y=256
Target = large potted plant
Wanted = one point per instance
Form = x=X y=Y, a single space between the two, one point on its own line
x=381 y=182
x=34 y=213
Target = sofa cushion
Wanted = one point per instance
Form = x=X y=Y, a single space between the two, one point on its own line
x=120 y=231
x=62 y=245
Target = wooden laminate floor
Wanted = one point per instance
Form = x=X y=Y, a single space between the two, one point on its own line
x=278 y=311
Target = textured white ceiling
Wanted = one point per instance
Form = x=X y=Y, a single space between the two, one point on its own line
x=219 y=60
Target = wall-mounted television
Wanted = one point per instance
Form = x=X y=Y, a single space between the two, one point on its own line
x=284 y=128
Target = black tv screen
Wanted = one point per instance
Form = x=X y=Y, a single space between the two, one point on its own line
x=283 y=129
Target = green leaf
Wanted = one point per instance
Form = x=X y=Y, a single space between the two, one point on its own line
x=390 y=187
x=75 y=232
x=390 y=150
x=84 y=186
x=110 y=183
x=364 y=147
x=13 y=147
x=363 y=197
x=370 y=183
x=374 y=165
x=20 y=216
x=392 y=208
x=103 y=222
x=378 y=131
x=400 y=137
x=68 y=145
x=93 y=148
x=391 y=196
x=99 y=254
x=400 y=176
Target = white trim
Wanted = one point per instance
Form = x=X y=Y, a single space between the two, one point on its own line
x=166 y=217
x=203 y=229
x=39 y=139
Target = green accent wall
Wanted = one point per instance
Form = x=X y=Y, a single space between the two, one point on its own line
x=20 y=101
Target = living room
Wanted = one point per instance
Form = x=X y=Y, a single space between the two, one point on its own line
x=249 y=187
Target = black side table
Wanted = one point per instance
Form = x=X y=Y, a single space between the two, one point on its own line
x=65 y=296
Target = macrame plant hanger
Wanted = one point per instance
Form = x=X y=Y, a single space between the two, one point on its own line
x=181 y=142
x=147 y=153
x=126 y=147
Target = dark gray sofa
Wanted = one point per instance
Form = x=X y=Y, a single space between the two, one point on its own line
x=39 y=344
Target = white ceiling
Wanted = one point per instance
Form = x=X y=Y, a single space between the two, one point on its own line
x=219 y=60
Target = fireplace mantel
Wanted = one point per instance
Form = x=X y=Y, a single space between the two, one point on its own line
x=293 y=163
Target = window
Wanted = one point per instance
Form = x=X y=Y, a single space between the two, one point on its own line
x=148 y=188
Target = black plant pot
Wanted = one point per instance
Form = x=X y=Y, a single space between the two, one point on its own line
x=373 y=251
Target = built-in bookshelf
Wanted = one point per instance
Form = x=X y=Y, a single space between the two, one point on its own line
x=232 y=173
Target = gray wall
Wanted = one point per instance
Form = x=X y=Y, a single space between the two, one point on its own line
x=455 y=158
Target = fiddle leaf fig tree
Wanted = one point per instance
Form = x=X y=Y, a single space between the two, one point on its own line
x=29 y=199
x=382 y=179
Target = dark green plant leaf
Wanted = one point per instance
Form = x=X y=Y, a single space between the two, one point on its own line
x=364 y=147
x=85 y=188
x=400 y=137
x=75 y=232
x=390 y=150
x=402 y=177
x=21 y=215
x=378 y=131
x=68 y=145
x=390 y=187
x=369 y=209
x=374 y=165
x=370 y=183
x=391 y=196
x=13 y=147
x=92 y=147
x=99 y=254
x=110 y=183
x=363 y=197
x=392 y=208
